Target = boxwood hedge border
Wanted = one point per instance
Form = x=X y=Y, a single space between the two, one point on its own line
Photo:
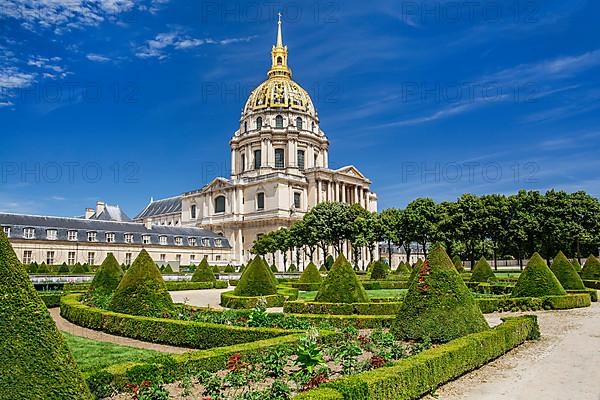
x=306 y=307
x=415 y=376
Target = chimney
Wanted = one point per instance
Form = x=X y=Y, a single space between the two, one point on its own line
x=100 y=207
x=88 y=213
x=148 y=223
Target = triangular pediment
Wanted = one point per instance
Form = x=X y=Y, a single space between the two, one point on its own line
x=218 y=184
x=352 y=171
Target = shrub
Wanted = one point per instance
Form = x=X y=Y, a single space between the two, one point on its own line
x=323 y=268
x=35 y=362
x=107 y=277
x=77 y=269
x=342 y=285
x=537 y=280
x=591 y=269
x=43 y=269
x=229 y=269
x=274 y=267
x=203 y=273
x=142 y=290
x=167 y=269
x=293 y=268
x=438 y=304
x=329 y=262
x=482 y=272
x=311 y=275
x=576 y=265
x=63 y=269
x=215 y=269
x=32 y=268
x=403 y=268
x=565 y=273
x=257 y=280
x=379 y=271
x=458 y=264
x=413 y=377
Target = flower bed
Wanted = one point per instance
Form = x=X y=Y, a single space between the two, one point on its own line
x=415 y=376
x=379 y=308
x=230 y=300
x=196 y=335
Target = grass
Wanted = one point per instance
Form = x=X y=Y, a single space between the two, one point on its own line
x=92 y=355
x=373 y=294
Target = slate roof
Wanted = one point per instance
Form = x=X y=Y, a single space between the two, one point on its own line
x=19 y=222
x=161 y=207
x=112 y=213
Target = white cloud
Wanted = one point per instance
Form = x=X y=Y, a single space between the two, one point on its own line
x=97 y=58
x=163 y=42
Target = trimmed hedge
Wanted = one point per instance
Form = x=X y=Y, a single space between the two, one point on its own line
x=35 y=362
x=592 y=284
x=198 y=335
x=230 y=300
x=173 y=286
x=537 y=280
x=377 y=285
x=342 y=321
x=490 y=305
x=300 y=307
x=175 y=367
x=306 y=287
x=415 y=376
x=592 y=292
x=51 y=299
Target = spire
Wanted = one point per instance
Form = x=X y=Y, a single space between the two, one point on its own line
x=279 y=55
x=279 y=35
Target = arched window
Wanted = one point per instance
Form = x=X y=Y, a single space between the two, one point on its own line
x=279 y=61
x=193 y=211
x=259 y=123
x=260 y=201
x=220 y=204
x=279 y=121
x=299 y=123
x=279 y=158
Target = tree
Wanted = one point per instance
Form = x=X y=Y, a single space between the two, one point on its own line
x=283 y=243
x=392 y=229
x=496 y=220
x=332 y=222
x=421 y=220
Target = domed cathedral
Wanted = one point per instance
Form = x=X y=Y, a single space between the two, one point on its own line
x=280 y=169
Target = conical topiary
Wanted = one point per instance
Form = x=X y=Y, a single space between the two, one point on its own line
x=403 y=268
x=43 y=269
x=142 y=290
x=77 y=269
x=576 y=265
x=482 y=272
x=311 y=274
x=203 y=273
x=341 y=285
x=591 y=269
x=257 y=280
x=274 y=267
x=35 y=362
x=107 y=277
x=458 y=264
x=537 y=280
x=32 y=268
x=379 y=270
x=64 y=269
x=415 y=270
x=229 y=269
x=323 y=268
x=565 y=273
x=273 y=277
x=168 y=269
x=438 y=305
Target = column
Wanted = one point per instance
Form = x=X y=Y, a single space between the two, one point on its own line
x=356 y=198
x=336 y=196
x=263 y=153
x=318 y=191
x=343 y=189
x=249 y=156
x=233 y=167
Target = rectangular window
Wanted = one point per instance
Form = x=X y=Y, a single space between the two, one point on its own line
x=27 y=257
x=178 y=258
x=279 y=158
x=297 y=200
x=257 y=159
x=193 y=211
x=243 y=162
x=110 y=238
x=127 y=258
x=72 y=236
x=128 y=238
x=50 y=258
x=51 y=234
x=146 y=239
x=6 y=230
x=206 y=242
x=163 y=257
x=192 y=241
x=71 y=258
x=260 y=201
x=29 y=233
x=217 y=258
x=192 y=258
x=179 y=241
x=92 y=236
x=301 y=162
x=218 y=243
x=163 y=240
x=91 y=258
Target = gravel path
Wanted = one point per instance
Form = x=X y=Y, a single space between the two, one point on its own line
x=76 y=330
x=563 y=365
x=199 y=298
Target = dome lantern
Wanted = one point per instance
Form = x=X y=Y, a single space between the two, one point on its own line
x=279 y=55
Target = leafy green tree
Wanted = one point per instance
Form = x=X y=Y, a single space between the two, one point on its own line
x=422 y=219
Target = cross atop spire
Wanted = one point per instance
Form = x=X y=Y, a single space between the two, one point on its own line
x=279 y=35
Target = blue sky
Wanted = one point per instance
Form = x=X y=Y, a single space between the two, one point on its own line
x=121 y=100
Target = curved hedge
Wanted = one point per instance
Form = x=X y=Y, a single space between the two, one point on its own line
x=231 y=300
x=196 y=335
x=537 y=280
x=35 y=362
x=415 y=376
x=490 y=305
x=301 y=307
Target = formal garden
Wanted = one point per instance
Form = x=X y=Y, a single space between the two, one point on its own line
x=331 y=331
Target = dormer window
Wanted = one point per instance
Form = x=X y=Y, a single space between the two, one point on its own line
x=6 y=230
x=110 y=238
x=29 y=233
x=206 y=242
x=163 y=240
x=192 y=241
x=146 y=239
x=51 y=234
x=179 y=241
x=72 y=236
x=279 y=122
x=92 y=236
x=128 y=238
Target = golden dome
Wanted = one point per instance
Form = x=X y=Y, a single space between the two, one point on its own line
x=279 y=93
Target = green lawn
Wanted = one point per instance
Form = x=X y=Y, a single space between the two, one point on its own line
x=373 y=294
x=92 y=355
